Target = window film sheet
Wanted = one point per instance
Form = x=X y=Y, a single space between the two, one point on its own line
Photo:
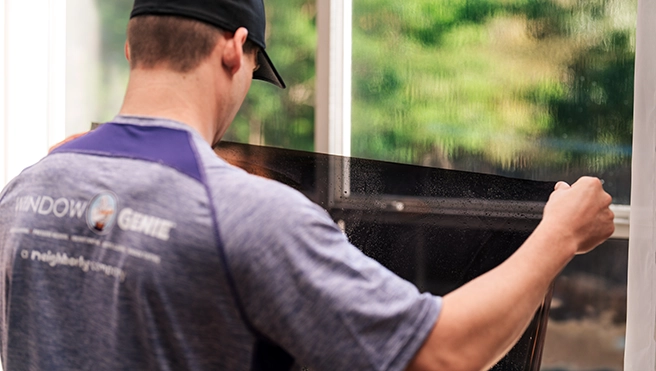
x=436 y=228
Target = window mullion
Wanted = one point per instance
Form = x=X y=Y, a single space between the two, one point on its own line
x=333 y=88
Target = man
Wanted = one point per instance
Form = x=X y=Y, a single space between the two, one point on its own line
x=134 y=247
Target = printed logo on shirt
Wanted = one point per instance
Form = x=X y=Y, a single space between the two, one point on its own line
x=46 y=205
x=101 y=214
x=131 y=220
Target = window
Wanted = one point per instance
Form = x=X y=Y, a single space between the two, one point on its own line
x=538 y=90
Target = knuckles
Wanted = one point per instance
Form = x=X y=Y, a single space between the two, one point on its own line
x=610 y=230
x=592 y=182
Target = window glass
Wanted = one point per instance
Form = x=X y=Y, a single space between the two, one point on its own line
x=587 y=323
x=270 y=115
x=537 y=89
x=97 y=72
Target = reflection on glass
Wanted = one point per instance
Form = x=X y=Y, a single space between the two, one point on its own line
x=436 y=228
x=97 y=72
x=532 y=89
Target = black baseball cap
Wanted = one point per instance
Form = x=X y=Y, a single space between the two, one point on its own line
x=227 y=15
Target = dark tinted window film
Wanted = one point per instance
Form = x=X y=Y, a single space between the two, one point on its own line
x=436 y=228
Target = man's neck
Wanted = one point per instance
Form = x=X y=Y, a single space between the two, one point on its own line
x=186 y=98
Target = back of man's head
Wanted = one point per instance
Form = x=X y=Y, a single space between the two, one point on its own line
x=176 y=43
x=179 y=34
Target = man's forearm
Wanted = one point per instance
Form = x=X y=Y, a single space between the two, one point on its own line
x=483 y=319
x=506 y=297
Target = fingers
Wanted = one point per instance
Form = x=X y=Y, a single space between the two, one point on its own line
x=597 y=186
x=581 y=211
x=608 y=199
x=588 y=180
x=561 y=185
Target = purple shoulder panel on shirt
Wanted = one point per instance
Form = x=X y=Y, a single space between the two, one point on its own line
x=170 y=147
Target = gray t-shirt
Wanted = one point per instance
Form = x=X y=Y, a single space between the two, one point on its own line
x=135 y=247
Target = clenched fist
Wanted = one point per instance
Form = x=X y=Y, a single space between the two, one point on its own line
x=580 y=213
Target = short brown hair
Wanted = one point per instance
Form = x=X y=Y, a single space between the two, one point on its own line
x=175 y=42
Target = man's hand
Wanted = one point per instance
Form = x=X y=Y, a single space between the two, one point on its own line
x=74 y=136
x=580 y=213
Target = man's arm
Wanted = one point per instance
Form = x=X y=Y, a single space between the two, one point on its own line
x=482 y=320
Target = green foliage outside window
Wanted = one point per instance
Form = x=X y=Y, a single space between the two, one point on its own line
x=515 y=83
x=284 y=118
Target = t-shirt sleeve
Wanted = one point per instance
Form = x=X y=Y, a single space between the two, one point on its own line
x=305 y=287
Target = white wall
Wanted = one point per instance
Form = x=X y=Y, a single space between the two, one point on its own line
x=3 y=146
x=33 y=88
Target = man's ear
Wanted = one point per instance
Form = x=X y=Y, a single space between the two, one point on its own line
x=127 y=51
x=233 y=52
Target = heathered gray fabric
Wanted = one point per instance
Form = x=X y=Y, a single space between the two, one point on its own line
x=149 y=303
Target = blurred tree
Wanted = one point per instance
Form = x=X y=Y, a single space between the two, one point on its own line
x=284 y=118
x=598 y=105
x=514 y=83
x=114 y=16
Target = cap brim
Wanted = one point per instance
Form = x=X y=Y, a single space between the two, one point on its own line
x=267 y=72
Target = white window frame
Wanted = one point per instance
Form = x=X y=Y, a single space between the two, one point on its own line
x=622 y=217
x=640 y=351
x=332 y=132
